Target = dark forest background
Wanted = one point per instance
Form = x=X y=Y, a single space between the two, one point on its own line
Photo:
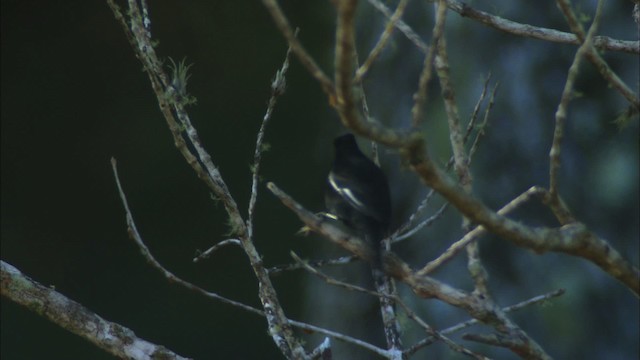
x=73 y=96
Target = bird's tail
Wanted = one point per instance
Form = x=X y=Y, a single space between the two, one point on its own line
x=373 y=234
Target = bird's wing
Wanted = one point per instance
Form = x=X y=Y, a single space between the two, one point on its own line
x=350 y=193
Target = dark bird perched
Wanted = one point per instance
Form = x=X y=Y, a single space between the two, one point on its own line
x=357 y=194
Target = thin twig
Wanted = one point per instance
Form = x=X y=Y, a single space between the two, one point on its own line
x=375 y=155
x=144 y=250
x=423 y=286
x=426 y=222
x=199 y=159
x=474 y=234
x=592 y=54
x=206 y=254
x=483 y=125
x=567 y=95
x=278 y=86
x=135 y=236
x=307 y=61
x=343 y=260
x=450 y=330
x=476 y=109
x=402 y=26
x=420 y=97
x=410 y=313
x=413 y=217
x=405 y=231
x=438 y=335
x=382 y=42
x=389 y=354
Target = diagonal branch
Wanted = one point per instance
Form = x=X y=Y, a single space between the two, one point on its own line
x=410 y=313
x=114 y=338
x=174 y=279
x=307 y=61
x=477 y=306
x=592 y=54
x=382 y=42
x=574 y=239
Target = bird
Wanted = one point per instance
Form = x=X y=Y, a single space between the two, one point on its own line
x=357 y=193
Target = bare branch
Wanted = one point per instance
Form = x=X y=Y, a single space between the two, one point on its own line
x=410 y=313
x=592 y=54
x=424 y=286
x=133 y=233
x=115 y=339
x=307 y=61
x=574 y=239
x=460 y=158
x=483 y=126
x=475 y=304
x=450 y=330
x=208 y=252
x=404 y=231
x=438 y=335
x=323 y=351
x=518 y=29
x=344 y=59
x=478 y=231
x=343 y=260
x=426 y=222
x=170 y=104
x=456 y=137
x=567 y=94
x=144 y=250
x=512 y=27
x=278 y=86
x=420 y=97
x=323 y=226
x=382 y=42
x=402 y=26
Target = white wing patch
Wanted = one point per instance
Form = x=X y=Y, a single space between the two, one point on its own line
x=345 y=192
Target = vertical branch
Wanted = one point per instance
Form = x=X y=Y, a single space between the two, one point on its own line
x=365 y=112
x=561 y=113
x=460 y=158
x=200 y=160
x=420 y=97
x=278 y=86
x=456 y=136
x=344 y=59
x=483 y=125
x=345 y=100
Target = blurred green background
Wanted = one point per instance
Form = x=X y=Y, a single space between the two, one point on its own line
x=73 y=96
